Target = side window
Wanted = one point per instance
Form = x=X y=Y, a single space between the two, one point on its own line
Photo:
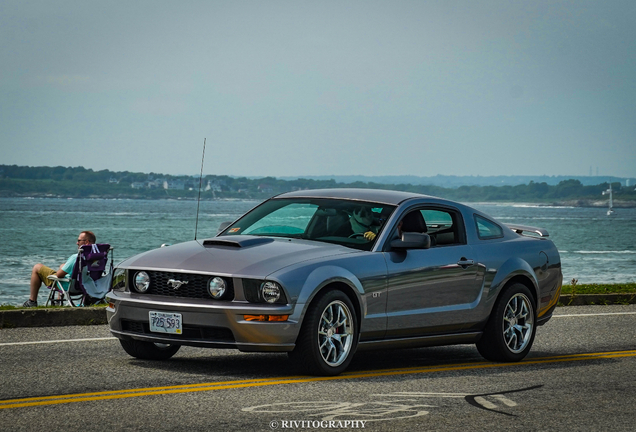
x=444 y=226
x=487 y=229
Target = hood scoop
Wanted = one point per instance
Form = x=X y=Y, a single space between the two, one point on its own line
x=237 y=241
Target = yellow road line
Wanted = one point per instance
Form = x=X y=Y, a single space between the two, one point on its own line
x=134 y=390
x=223 y=385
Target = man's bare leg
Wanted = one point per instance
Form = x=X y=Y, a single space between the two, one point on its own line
x=36 y=283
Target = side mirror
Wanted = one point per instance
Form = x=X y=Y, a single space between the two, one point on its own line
x=223 y=226
x=411 y=240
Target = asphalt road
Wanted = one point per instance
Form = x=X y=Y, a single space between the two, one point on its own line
x=579 y=376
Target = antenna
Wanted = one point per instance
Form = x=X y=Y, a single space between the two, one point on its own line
x=196 y=226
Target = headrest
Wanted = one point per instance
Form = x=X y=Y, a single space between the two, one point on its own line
x=414 y=222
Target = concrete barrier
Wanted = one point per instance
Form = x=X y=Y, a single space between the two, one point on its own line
x=52 y=317
x=596 y=299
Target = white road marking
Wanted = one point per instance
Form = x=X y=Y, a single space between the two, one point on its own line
x=596 y=314
x=420 y=394
x=486 y=404
x=57 y=341
x=505 y=400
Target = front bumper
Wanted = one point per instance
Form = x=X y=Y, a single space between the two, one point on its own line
x=205 y=324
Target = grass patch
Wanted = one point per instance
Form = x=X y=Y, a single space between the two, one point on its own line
x=619 y=288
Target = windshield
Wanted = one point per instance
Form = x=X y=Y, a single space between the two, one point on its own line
x=350 y=223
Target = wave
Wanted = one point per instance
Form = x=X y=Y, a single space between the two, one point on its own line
x=623 y=252
x=590 y=279
x=542 y=206
x=541 y=218
x=230 y=215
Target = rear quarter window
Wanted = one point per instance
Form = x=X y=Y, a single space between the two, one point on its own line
x=487 y=229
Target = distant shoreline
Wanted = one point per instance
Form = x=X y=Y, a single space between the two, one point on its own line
x=60 y=182
x=592 y=203
x=583 y=203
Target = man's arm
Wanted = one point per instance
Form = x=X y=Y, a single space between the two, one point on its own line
x=61 y=273
x=67 y=267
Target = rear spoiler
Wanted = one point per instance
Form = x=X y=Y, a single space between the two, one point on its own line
x=521 y=229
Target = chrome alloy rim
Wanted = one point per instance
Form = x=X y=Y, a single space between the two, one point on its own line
x=335 y=333
x=518 y=322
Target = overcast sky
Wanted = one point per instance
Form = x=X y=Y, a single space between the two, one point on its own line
x=320 y=87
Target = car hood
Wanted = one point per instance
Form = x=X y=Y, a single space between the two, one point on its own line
x=239 y=256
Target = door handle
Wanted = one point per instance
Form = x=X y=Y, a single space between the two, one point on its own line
x=465 y=262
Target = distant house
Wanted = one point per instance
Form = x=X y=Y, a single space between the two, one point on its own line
x=155 y=184
x=265 y=188
x=113 y=180
x=174 y=184
x=138 y=185
x=213 y=186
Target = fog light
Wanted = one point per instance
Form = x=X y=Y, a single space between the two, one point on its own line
x=216 y=287
x=270 y=292
x=142 y=281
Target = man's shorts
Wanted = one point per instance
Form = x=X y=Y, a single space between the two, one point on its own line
x=44 y=274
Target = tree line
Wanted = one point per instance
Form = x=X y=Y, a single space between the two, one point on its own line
x=79 y=182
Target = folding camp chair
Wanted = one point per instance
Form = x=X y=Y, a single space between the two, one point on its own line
x=89 y=281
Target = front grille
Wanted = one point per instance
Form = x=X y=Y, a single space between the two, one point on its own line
x=196 y=286
x=209 y=334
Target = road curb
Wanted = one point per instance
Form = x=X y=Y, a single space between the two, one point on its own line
x=596 y=299
x=54 y=317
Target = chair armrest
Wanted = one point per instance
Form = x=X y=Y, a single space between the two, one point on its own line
x=55 y=278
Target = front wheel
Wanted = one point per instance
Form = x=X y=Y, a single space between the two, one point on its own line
x=149 y=350
x=328 y=337
x=510 y=331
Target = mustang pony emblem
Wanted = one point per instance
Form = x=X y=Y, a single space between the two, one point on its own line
x=176 y=284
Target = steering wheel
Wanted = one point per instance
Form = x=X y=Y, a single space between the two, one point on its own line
x=356 y=235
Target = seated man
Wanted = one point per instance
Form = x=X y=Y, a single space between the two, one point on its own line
x=40 y=272
x=362 y=223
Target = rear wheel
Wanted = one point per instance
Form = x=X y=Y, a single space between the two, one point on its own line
x=510 y=331
x=329 y=336
x=149 y=350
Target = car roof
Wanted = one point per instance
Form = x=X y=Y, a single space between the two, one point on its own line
x=373 y=195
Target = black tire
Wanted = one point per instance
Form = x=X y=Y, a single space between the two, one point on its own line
x=329 y=336
x=148 y=350
x=510 y=331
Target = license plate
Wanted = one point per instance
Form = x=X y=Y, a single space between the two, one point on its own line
x=163 y=322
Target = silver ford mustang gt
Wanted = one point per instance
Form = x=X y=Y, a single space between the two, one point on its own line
x=323 y=274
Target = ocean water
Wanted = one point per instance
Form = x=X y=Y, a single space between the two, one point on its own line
x=593 y=246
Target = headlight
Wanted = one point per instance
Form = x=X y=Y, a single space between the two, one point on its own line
x=270 y=292
x=262 y=291
x=119 y=279
x=142 y=281
x=217 y=287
